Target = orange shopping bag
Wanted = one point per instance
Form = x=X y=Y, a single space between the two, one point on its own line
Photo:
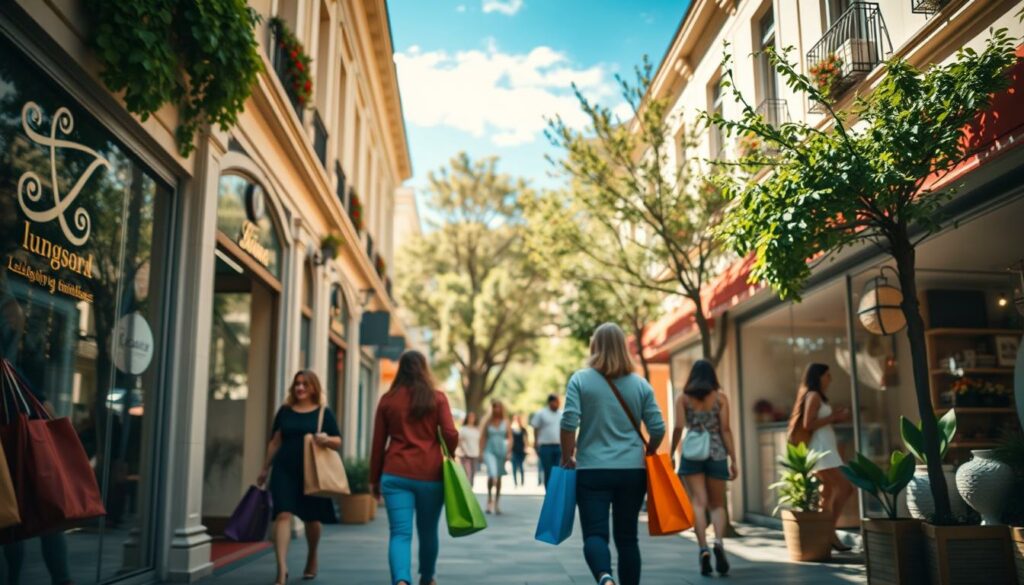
x=668 y=507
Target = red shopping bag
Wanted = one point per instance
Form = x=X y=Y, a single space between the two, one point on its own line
x=54 y=484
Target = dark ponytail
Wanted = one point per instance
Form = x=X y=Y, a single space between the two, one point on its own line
x=414 y=374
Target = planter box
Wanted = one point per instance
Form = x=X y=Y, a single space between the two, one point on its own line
x=355 y=508
x=1018 y=552
x=808 y=535
x=893 y=551
x=969 y=555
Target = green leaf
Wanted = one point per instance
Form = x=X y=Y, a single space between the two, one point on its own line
x=912 y=438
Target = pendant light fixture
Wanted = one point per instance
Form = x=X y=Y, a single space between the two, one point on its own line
x=879 y=309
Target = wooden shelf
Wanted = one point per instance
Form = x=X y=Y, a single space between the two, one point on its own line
x=975 y=444
x=1007 y=371
x=979 y=409
x=970 y=332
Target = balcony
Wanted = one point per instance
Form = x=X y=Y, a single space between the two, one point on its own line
x=339 y=188
x=320 y=138
x=850 y=49
x=369 y=247
x=355 y=209
x=927 y=6
x=279 y=59
x=774 y=111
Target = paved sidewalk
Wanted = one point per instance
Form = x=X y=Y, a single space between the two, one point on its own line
x=507 y=554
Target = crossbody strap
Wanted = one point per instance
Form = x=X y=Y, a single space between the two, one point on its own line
x=629 y=413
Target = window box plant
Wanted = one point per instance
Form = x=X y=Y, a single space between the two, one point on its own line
x=355 y=211
x=893 y=546
x=919 y=494
x=359 y=506
x=807 y=529
x=330 y=244
x=299 y=80
x=826 y=75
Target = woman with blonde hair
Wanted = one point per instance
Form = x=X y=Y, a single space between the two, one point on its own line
x=300 y=416
x=496 y=445
x=604 y=401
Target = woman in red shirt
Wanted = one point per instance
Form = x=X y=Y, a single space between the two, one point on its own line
x=405 y=466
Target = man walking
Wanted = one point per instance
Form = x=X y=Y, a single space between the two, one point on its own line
x=546 y=425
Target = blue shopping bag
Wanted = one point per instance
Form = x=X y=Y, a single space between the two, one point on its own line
x=558 y=513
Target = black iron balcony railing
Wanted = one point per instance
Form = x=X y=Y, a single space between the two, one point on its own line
x=774 y=111
x=320 y=138
x=927 y=6
x=339 y=189
x=853 y=46
x=280 y=59
x=369 y=247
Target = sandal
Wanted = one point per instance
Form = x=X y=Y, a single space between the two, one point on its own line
x=285 y=582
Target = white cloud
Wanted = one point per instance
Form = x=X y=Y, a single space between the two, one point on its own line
x=504 y=97
x=460 y=8
x=506 y=7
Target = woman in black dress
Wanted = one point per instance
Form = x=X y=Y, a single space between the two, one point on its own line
x=296 y=419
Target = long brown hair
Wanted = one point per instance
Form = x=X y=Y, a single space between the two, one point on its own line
x=811 y=382
x=414 y=374
x=312 y=381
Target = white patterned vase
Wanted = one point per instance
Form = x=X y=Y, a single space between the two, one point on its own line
x=985 y=483
x=920 y=502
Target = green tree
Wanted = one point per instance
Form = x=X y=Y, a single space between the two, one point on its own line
x=526 y=385
x=470 y=278
x=864 y=178
x=636 y=200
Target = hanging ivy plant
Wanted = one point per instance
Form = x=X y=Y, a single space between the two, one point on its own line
x=199 y=55
x=298 y=62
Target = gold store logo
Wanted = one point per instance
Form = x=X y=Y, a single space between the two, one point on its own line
x=250 y=242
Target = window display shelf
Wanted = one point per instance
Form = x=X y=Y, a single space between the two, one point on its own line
x=964 y=331
x=973 y=444
x=975 y=371
x=978 y=409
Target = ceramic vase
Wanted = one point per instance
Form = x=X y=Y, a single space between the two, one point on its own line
x=985 y=483
x=920 y=502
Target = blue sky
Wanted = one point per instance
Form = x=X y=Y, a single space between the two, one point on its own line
x=480 y=75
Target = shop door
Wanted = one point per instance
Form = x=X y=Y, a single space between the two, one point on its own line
x=240 y=393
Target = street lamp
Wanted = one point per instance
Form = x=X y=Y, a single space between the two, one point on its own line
x=879 y=309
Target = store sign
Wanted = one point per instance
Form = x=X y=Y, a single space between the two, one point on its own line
x=132 y=343
x=43 y=203
x=249 y=240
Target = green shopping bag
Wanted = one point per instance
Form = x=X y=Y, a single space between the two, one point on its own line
x=461 y=509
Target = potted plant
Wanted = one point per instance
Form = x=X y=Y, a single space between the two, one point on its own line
x=919 y=494
x=893 y=547
x=355 y=210
x=356 y=508
x=297 y=63
x=807 y=529
x=826 y=74
x=1011 y=452
x=330 y=244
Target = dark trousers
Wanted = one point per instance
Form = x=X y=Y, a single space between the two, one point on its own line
x=550 y=456
x=55 y=556
x=518 y=472
x=623 y=491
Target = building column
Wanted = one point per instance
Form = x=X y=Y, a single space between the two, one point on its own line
x=353 y=363
x=189 y=555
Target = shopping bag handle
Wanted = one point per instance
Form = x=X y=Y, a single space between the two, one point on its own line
x=444 y=447
x=14 y=385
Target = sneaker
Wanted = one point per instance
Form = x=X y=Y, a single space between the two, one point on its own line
x=721 y=562
x=705 y=562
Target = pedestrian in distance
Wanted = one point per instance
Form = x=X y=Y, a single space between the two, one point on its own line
x=702 y=411
x=609 y=454
x=518 y=451
x=496 y=445
x=813 y=415
x=405 y=465
x=546 y=424
x=298 y=417
x=469 y=445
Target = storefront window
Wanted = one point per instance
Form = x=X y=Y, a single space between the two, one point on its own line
x=242 y=216
x=84 y=241
x=776 y=347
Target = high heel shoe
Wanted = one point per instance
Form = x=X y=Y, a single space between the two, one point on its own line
x=285 y=582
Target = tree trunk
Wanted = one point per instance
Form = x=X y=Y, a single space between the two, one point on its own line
x=473 y=392
x=707 y=352
x=903 y=252
x=638 y=334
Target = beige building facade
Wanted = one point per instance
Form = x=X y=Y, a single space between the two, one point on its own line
x=208 y=281
x=769 y=343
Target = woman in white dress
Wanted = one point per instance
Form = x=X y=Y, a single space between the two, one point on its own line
x=816 y=418
x=469 y=446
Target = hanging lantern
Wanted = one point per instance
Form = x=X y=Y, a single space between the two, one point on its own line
x=879 y=309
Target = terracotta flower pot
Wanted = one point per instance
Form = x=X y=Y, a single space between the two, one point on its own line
x=355 y=508
x=893 y=551
x=808 y=535
x=968 y=555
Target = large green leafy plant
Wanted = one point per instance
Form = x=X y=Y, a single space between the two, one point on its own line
x=884 y=486
x=358 y=472
x=913 y=438
x=862 y=177
x=798 y=487
x=199 y=55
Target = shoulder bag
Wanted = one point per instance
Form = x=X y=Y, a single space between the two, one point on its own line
x=324 y=474
x=668 y=508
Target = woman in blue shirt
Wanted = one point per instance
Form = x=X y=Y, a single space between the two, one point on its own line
x=608 y=453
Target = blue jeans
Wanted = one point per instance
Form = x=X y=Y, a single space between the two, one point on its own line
x=404 y=499
x=550 y=456
x=623 y=491
x=518 y=473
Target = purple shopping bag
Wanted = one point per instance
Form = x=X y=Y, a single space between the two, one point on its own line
x=251 y=518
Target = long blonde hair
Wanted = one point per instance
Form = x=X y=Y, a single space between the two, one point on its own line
x=313 y=382
x=608 y=352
